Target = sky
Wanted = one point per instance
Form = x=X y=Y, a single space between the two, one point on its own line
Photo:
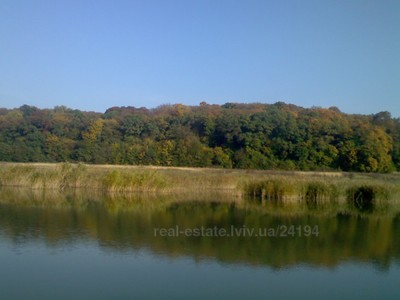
x=92 y=55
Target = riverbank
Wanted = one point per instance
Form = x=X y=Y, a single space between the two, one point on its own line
x=262 y=185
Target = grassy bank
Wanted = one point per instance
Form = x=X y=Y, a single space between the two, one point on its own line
x=115 y=178
x=311 y=187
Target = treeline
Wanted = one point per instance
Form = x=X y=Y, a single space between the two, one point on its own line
x=255 y=136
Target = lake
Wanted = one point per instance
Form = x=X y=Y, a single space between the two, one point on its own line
x=86 y=245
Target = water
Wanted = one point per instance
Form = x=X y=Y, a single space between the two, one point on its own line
x=76 y=246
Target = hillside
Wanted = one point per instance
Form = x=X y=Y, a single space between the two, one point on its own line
x=248 y=136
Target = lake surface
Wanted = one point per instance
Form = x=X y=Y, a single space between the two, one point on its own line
x=92 y=246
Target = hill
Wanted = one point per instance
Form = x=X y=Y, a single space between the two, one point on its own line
x=233 y=135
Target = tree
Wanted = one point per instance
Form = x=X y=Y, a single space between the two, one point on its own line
x=259 y=136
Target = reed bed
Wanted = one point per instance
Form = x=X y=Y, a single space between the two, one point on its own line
x=310 y=187
x=115 y=178
x=359 y=191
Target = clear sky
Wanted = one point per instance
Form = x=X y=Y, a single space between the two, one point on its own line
x=93 y=55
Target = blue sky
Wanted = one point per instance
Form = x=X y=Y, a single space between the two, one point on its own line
x=93 y=55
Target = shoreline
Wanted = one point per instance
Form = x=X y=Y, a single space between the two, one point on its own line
x=260 y=184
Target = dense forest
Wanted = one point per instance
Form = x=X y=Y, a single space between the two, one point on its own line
x=255 y=136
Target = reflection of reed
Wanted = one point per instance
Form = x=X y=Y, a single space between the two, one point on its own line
x=115 y=201
x=126 y=222
x=81 y=198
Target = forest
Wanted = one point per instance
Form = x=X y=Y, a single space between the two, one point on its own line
x=276 y=136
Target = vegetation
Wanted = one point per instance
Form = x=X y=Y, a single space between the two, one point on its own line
x=310 y=187
x=248 y=136
x=271 y=189
x=115 y=178
x=364 y=197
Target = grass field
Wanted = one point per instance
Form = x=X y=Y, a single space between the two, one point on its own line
x=312 y=187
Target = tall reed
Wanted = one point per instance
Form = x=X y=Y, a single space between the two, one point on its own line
x=310 y=187
x=149 y=180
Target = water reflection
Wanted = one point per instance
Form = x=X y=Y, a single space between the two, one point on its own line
x=128 y=222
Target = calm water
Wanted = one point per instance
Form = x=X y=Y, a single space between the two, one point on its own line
x=76 y=246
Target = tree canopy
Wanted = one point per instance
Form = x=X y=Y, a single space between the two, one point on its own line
x=233 y=135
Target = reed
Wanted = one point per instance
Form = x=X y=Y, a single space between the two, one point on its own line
x=364 y=197
x=71 y=176
x=270 y=189
x=317 y=192
x=118 y=180
x=309 y=187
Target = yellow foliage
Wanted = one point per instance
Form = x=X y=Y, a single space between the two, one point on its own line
x=94 y=131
